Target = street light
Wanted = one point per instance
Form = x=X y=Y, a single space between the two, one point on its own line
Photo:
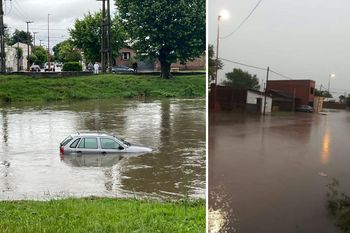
x=329 y=81
x=28 y=42
x=224 y=14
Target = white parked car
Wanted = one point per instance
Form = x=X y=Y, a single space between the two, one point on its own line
x=97 y=143
x=52 y=66
x=35 y=68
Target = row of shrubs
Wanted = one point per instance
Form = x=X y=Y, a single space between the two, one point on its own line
x=72 y=66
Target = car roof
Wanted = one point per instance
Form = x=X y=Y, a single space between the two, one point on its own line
x=91 y=134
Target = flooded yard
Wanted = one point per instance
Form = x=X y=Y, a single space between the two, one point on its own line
x=270 y=174
x=32 y=168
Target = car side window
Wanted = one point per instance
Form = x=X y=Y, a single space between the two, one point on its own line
x=109 y=144
x=75 y=143
x=88 y=143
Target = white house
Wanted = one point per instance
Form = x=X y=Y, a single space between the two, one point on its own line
x=257 y=98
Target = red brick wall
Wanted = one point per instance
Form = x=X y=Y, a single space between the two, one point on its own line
x=302 y=88
x=121 y=61
x=196 y=64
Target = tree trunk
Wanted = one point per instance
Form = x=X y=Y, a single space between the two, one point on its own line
x=164 y=63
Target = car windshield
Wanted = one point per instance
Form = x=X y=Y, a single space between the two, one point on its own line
x=66 y=140
x=123 y=141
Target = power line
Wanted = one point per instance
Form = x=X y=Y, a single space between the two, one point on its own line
x=244 y=20
x=281 y=75
x=239 y=63
x=19 y=10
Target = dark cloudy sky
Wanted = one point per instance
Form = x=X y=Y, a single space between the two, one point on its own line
x=306 y=39
x=63 y=13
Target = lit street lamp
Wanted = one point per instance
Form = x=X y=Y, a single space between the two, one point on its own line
x=224 y=14
x=329 y=81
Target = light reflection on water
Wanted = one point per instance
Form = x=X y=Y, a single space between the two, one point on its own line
x=275 y=171
x=30 y=135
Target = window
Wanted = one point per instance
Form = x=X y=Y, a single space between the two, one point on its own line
x=109 y=144
x=88 y=143
x=75 y=143
x=66 y=140
x=312 y=90
x=126 y=55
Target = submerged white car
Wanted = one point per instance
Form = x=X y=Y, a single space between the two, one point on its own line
x=97 y=143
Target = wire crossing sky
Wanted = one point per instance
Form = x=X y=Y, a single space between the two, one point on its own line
x=63 y=14
x=303 y=39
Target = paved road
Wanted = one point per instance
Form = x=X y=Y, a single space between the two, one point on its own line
x=268 y=175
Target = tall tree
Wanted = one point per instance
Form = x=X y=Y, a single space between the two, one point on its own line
x=213 y=64
x=166 y=30
x=38 y=56
x=86 y=35
x=21 y=37
x=65 y=51
x=240 y=78
x=323 y=93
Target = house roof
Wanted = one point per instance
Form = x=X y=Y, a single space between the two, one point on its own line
x=283 y=94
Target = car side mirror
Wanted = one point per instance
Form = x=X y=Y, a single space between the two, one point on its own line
x=121 y=148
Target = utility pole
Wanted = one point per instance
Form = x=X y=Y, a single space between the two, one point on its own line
x=48 y=42
x=106 y=48
x=293 y=100
x=267 y=81
x=109 y=38
x=2 y=40
x=28 y=42
x=40 y=42
x=18 y=66
x=34 y=33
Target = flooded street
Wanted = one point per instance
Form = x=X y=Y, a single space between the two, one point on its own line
x=270 y=175
x=31 y=167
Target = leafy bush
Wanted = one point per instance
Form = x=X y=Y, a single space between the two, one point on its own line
x=72 y=66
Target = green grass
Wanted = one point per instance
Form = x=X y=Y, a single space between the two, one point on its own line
x=101 y=215
x=14 y=88
x=339 y=206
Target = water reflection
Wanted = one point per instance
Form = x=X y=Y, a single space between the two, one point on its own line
x=272 y=173
x=325 y=146
x=175 y=128
x=91 y=160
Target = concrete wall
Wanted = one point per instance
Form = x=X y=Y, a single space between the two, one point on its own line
x=252 y=98
x=11 y=57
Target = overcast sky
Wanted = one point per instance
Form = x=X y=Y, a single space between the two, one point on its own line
x=63 y=14
x=306 y=39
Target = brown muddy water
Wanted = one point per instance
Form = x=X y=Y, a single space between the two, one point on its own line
x=31 y=167
x=270 y=175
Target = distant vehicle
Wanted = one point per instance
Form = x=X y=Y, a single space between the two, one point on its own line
x=59 y=64
x=52 y=66
x=90 y=67
x=304 y=108
x=97 y=143
x=121 y=69
x=35 y=68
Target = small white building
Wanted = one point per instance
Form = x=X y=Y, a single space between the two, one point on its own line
x=12 y=62
x=255 y=99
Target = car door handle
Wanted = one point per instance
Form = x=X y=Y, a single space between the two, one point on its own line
x=104 y=152
x=79 y=151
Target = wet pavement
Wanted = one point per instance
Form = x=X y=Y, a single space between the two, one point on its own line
x=269 y=174
x=31 y=167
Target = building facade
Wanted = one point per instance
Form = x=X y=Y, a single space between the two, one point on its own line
x=14 y=63
x=303 y=90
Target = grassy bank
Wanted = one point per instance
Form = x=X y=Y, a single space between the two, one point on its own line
x=339 y=206
x=101 y=215
x=15 y=88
